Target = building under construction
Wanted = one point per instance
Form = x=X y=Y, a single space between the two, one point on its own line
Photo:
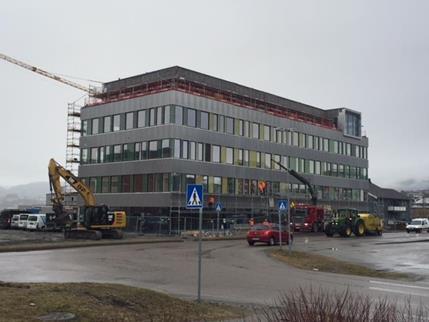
x=144 y=138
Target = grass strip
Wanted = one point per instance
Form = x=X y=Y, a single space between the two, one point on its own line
x=315 y=262
x=24 y=247
x=103 y=302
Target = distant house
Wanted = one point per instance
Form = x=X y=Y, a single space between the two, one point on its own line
x=394 y=206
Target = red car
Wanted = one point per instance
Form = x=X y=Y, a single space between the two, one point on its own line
x=268 y=234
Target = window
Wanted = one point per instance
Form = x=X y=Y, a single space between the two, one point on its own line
x=109 y=154
x=166 y=150
x=267 y=133
x=239 y=127
x=246 y=128
x=185 y=154
x=317 y=167
x=326 y=145
x=128 y=152
x=137 y=151
x=279 y=136
x=207 y=150
x=221 y=123
x=126 y=184
x=84 y=156
x=107 y=124
x=84 y=128
x=160 y=115
x=129 y=121
x=165 y=182
x=176 y=182
x=192 y=152
x=217 y=185
x=229 y=156
x=246 y=158
x=353 y=122
x=200 y=152
x=144 y=153
x=116 y=123
x=316 y=143
x=117 y=153
x=114 y=184
x=301 y=138
x=178 y=117
x=295 y=139
x=95 y=126
x=215 y=153
x=204 y=122
x=141 y=118
x=176 y=149
x=258 y=159
x=267 y=164
x=167 y=112
x=276 y=158
x=311 y=167
x=101 y=154
x=153 y=150
x=152 y=117
x=105 y=185
x=213 y=122
x=191 y=117
x=231 y=185
x=310 y=142
x=229 y=125
x=238 y=157
x=255 y=130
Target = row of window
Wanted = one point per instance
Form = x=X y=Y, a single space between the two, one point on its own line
x=220 y=123
x=166 y=182
x=183 y=149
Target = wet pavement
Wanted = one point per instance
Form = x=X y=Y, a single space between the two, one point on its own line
x=232 y=271
x=399 y=251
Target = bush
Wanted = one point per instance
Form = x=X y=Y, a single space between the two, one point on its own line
x=324 y=306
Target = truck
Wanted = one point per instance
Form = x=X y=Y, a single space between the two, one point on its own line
x=305 y=217
x=95 y=221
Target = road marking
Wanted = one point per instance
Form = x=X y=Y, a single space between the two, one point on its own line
x=400 y=285
x=396 y=291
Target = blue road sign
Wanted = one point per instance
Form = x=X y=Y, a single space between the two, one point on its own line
x=218 y=207
x=283 y=204
x=194 y=196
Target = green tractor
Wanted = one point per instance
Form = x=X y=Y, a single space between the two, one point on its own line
x=345 y=222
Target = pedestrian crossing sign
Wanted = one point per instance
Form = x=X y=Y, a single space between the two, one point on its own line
x=194 y=196
x=283 y=205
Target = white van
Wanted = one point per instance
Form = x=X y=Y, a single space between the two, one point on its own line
x=22 y=222
x=14 y=222
x=36 y=222
x=418 y=225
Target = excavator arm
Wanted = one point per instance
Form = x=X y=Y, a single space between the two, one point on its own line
x=57 y=171
x=295 y=174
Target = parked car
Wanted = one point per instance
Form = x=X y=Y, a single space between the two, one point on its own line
x=14 y=222
x=418 y=225
x=267 y=233
x=22 y=222
x=6 y=217
x=36 y=222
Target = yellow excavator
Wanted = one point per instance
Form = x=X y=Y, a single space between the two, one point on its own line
x=95 y=222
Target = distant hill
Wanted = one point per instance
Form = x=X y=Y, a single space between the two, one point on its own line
x=28 y=194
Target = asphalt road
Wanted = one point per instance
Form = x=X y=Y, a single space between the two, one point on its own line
x=232 y=272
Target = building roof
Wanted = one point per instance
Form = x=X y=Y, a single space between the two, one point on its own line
x=180 y=73
x=385 y=193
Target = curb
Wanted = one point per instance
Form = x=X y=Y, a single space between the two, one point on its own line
x=48 y=246
x=404 y=242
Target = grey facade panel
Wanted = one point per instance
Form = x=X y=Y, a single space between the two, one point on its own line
x=209 y=105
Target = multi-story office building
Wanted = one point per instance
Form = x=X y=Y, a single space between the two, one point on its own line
x=146 y=137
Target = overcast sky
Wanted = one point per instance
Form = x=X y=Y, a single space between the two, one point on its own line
x=372 y=56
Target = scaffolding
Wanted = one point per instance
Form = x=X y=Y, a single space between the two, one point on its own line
x=199 y=89
x=73 y=136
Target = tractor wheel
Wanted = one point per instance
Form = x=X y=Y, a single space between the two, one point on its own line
x=359 y=228
x=346 y=231
x=329 y=231
x=251 y=242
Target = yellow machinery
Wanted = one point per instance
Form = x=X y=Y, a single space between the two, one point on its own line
x=96 y=221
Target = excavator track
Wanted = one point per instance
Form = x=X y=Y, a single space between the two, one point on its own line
x=83 y=234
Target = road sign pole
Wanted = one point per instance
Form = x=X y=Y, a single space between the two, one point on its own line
x=289 y=244
x=217 y=223
x=280 y=229
x=200 y=252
